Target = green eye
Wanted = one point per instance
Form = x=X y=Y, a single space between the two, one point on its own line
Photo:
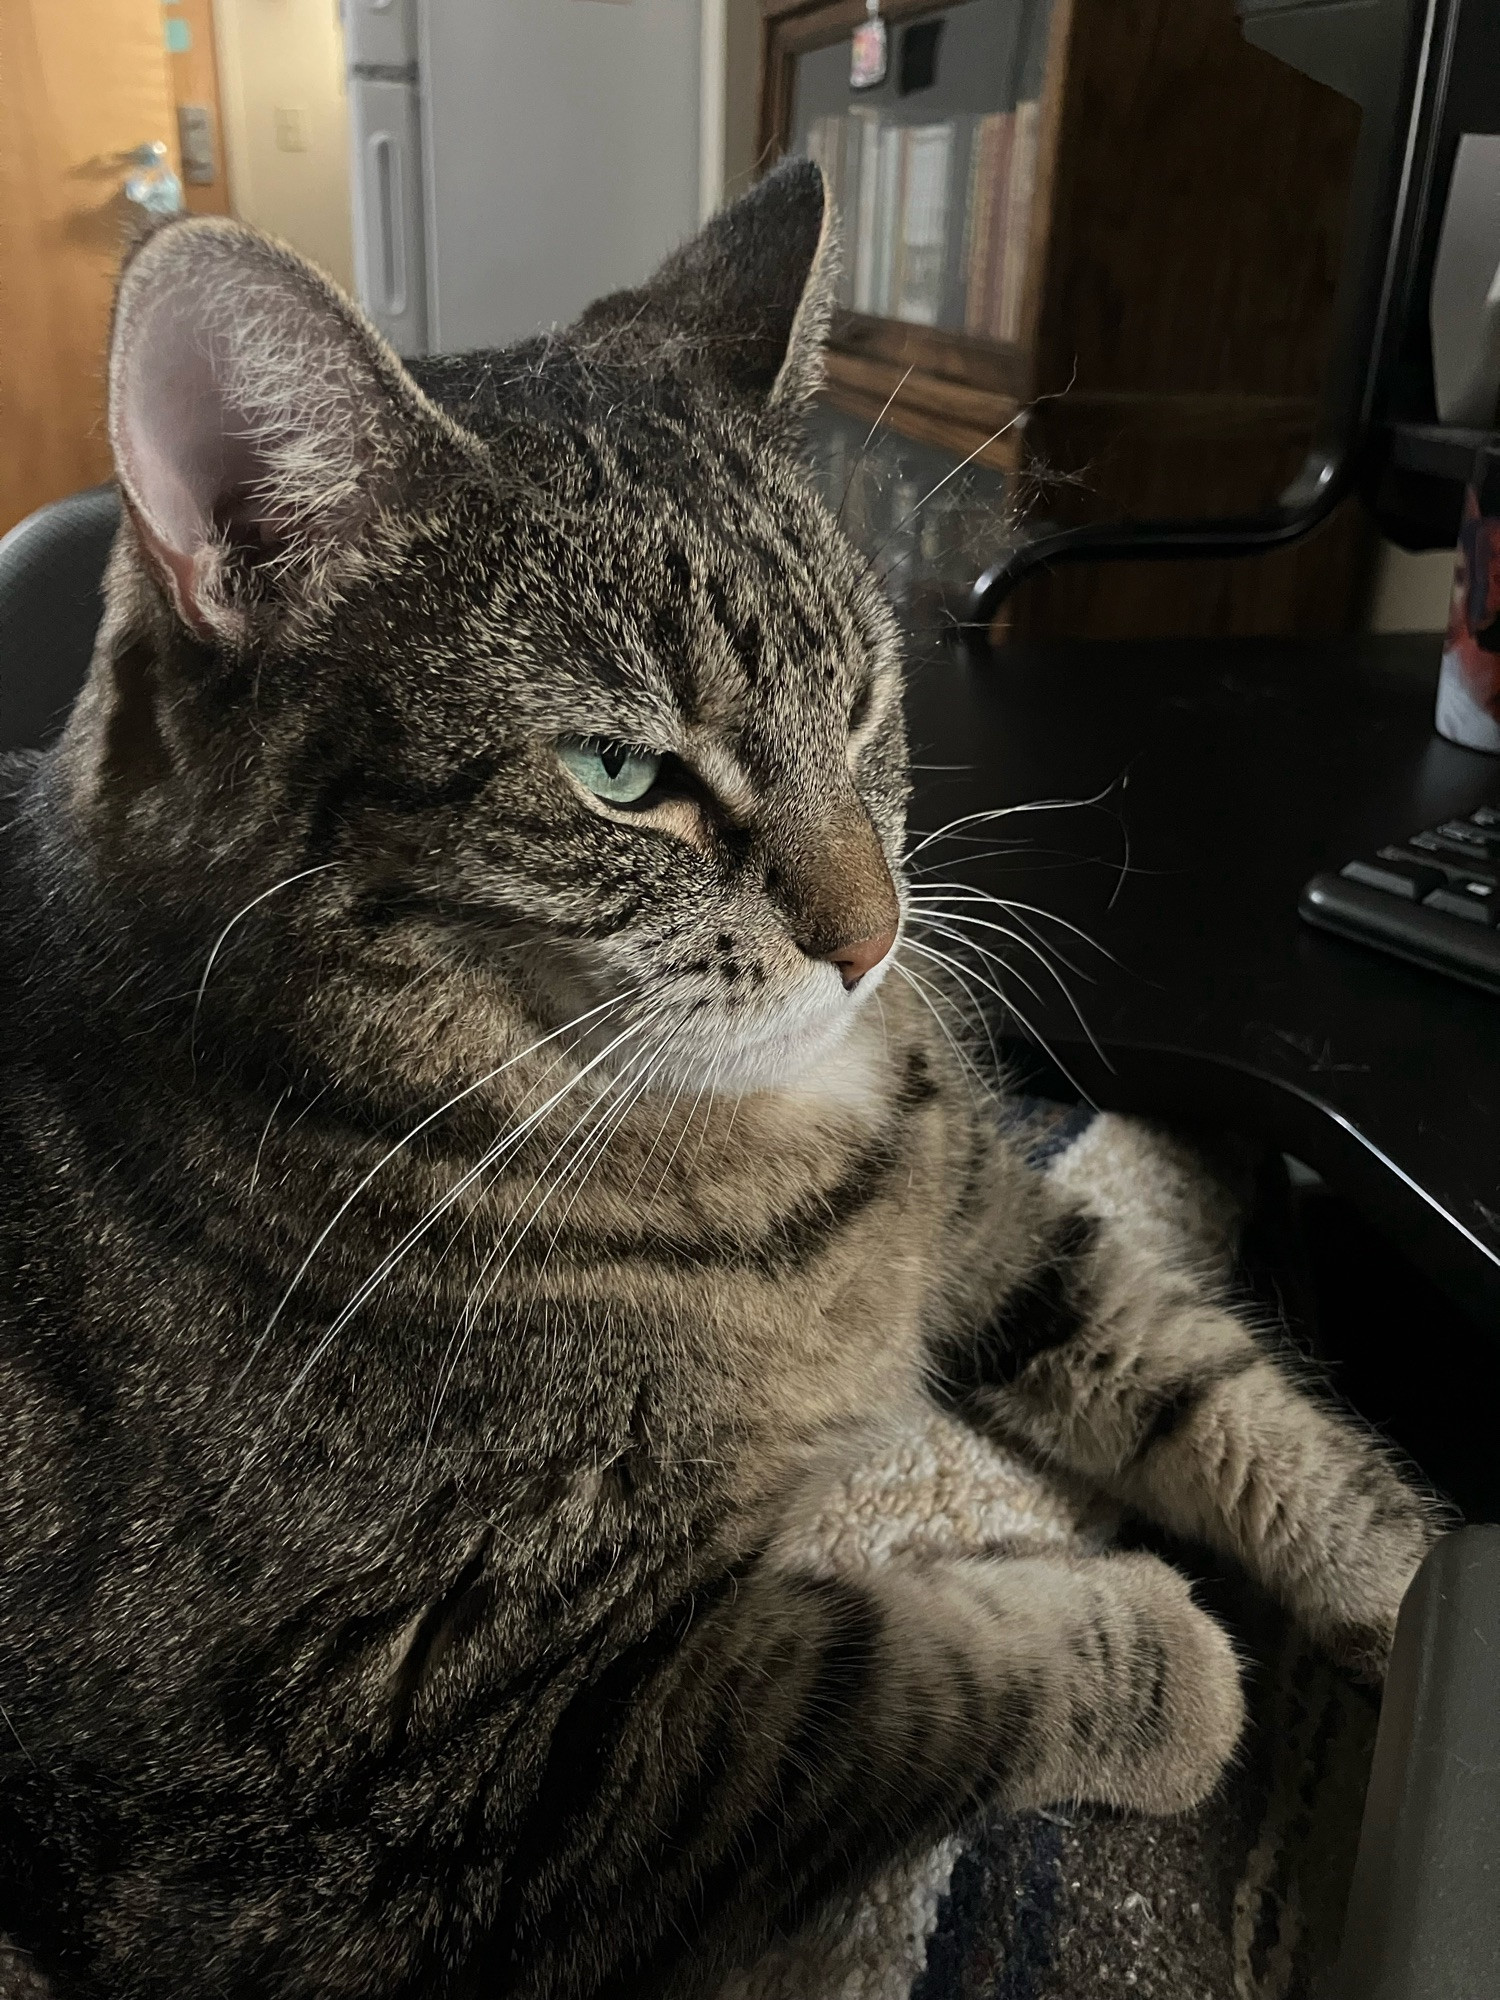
x=622 y=773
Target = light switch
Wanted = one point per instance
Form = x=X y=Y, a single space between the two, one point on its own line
x=291 y=128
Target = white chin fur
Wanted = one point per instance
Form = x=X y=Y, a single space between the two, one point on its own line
x=803 y=1046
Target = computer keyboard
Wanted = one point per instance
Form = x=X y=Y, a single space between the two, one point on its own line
x=1434 y=899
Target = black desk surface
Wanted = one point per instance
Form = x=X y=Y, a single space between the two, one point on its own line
x=1235 y=769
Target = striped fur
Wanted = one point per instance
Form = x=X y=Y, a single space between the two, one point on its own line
x=454 y=1230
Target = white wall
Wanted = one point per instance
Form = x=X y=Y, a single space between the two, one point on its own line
x=562 y=142
x=287 y=55
x=729 y=39
x=1410 y=592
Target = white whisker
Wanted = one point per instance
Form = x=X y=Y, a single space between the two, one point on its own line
x=593 y=1109
x=587 y=1153
x=393 y=1257
x=953 y=472
x=944 y=958
x=421 y=1126
x=265 y=1134
x=1037 y=1036
x=714 y=1055
x=923 y=991
x=869 y=440
x=1028 y=937
x=1010 y=812
x=981 y=1013
x=1022 y=910
x=238 y=917
x=1027 y=944
x=584 y=1156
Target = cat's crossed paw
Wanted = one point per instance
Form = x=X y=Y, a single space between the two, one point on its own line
x=1186 y=1698
x=1138 y=1699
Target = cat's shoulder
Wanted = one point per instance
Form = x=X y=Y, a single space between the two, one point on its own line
x=17 y=768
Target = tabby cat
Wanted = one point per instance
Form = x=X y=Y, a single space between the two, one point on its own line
x=467 y=1185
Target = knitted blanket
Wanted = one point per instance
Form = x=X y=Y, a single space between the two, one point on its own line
x=1240 y=1899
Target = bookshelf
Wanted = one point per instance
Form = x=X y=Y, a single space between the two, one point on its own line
x=1094 y=242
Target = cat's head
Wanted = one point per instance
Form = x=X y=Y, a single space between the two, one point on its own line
x=543 y=671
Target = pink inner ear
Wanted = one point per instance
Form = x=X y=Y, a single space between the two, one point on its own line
x=253 y=413
x=184 y=449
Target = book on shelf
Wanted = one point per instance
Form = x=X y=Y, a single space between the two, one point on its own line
x=892 y=186
x=1002 y=184
x=988 y=214
x=921 y=242
x=1020 y=190
x=956 y=233
x=860 y=214
x=887 y=219
x=936 y=218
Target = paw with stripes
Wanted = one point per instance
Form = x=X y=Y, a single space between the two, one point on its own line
x=1136 y=1697
x=1380 y=1528
x=1137 y=1378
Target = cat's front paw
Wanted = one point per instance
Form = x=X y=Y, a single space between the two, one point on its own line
x=1140 y=1702
x=1350 y=1603
x=1186 y=1707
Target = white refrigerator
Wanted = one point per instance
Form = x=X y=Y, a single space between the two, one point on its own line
x=514 y=159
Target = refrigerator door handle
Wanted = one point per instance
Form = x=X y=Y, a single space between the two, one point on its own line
x=385 y=171
x=383 y=155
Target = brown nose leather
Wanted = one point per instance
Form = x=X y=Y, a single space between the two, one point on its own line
x=862 y=956
x=831 y=883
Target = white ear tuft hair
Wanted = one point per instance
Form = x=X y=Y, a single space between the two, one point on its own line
x=749 y=298
x=258 y=421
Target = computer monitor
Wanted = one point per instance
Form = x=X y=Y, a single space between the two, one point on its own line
x=1424 y=74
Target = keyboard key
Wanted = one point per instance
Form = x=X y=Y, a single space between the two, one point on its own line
x=1466 y=866
x=1475 y=901
x=1468 y=835
x=1486 y=816
x=1465 y=949
x=1397 y=878
x=1443 y=846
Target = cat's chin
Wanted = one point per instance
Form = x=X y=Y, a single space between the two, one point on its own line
x=817 y=1045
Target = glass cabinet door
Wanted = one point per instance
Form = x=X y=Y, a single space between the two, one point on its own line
x=933 y=171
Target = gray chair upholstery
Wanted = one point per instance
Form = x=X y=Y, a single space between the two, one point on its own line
x=51 y=566
x=1424 y=1909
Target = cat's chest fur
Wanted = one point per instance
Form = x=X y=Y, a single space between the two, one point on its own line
x=771 y=1286
x=639 y=1360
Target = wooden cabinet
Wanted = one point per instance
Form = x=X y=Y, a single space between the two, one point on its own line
x=1093 y=242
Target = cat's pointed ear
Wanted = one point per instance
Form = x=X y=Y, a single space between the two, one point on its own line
x=748 y=299
x=259 y=423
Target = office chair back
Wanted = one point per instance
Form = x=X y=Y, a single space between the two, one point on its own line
x=51 y=572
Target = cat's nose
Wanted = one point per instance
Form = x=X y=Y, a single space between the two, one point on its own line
x=829 y=879
x=861 y=955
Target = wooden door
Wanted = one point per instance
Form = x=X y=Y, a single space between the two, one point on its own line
x=81 y=83
x=195 y=91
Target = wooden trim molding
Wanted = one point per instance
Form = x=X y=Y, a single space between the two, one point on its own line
x=954 y=357
x=791 y=29
x=926 y=407
x=1060 y=33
